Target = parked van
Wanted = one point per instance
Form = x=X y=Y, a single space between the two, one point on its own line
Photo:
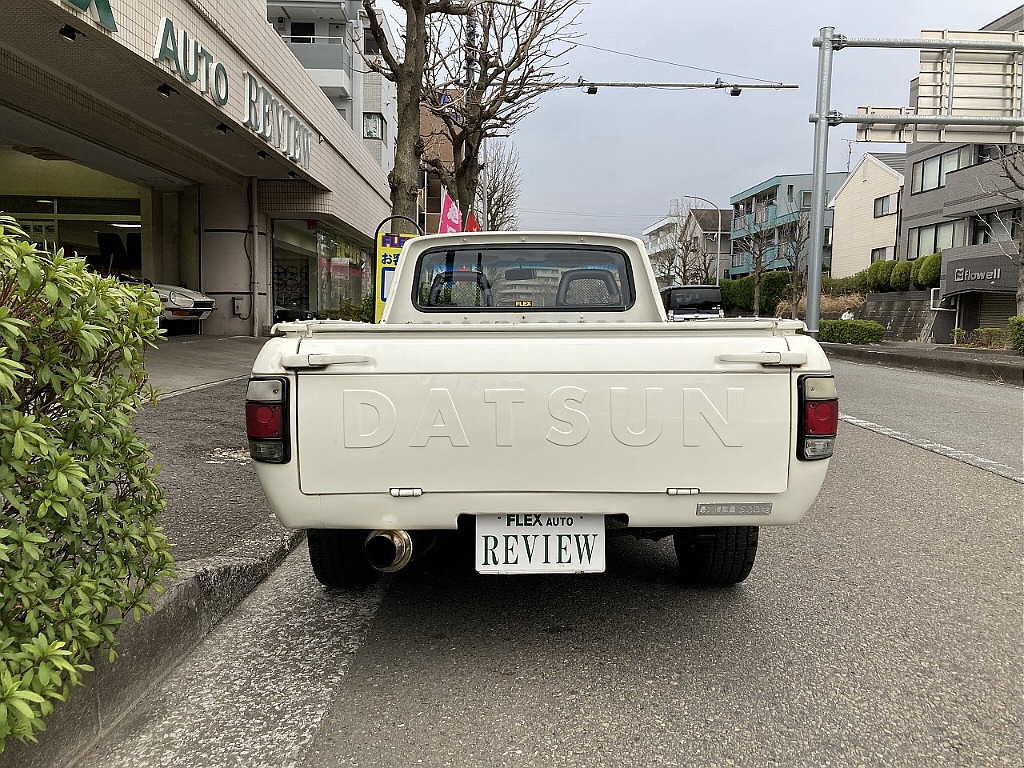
x=692 y=302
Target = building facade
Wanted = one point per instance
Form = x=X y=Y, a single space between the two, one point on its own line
x=690 y=245
x=194 y=126
x=865 y=214
x=771 y=222
x=961 y=202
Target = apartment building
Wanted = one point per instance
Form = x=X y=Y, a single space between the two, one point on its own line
x=690 y=245
x=960 y=202
x=771 y=218
x=865 y=214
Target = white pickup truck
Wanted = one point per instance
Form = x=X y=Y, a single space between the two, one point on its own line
x=527 y=389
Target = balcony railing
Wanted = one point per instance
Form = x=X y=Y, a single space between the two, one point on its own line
x=321 y=52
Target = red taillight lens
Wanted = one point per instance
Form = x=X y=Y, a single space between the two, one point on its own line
x=263 y=420
x=818 y=417
x=821 y=418
x=266 y=420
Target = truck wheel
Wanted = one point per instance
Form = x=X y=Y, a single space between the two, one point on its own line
x=338 y=558
x=717 y=556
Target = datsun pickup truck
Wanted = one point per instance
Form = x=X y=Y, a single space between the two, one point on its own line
x=527 y=389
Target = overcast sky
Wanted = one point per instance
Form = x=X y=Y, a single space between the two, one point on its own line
x=612 y=161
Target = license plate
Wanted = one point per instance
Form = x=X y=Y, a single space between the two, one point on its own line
x=540 y=543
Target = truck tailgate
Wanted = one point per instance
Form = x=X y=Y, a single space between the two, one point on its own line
x=613 y=412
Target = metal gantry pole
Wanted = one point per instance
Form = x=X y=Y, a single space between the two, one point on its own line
x=821 y=126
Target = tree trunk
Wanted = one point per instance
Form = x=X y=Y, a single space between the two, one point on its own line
x=404 y=178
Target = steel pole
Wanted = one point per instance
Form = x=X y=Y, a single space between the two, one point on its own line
x=821 y=126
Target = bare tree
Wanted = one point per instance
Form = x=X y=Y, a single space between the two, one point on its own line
x=761 y=245
x=1012 y=163
x=485 y=73
x=698 y=258
x=793 y=240
x=502 y=180
x=406 y=72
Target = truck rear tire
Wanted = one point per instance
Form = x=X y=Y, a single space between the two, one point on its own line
x=716 y=556
x=338 y=558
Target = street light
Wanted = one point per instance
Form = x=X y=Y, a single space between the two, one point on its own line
x=718 y=236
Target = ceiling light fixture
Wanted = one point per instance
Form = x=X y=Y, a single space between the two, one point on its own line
x=293 y=174
x=68 y=32
x=165 y=90
x=223 y=127
x=262 y=155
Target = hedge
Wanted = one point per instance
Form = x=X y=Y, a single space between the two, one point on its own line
x=930 y=271
x=899 y=279
x=1017 y=333
x=851 y=331
x=739 y=294
x=79 y=546
x=878 y=275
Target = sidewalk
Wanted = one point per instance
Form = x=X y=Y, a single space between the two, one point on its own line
x=226 y=539
x=992 y=365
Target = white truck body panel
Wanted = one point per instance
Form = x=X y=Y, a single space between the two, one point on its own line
x=425 y=417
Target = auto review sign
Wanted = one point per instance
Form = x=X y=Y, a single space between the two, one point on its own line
x=263 y=112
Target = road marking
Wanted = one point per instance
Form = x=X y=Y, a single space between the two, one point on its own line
x=943 y=450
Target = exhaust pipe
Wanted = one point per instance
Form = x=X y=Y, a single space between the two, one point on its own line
x=389 y=551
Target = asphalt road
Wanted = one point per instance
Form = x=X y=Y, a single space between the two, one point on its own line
x=883 y=631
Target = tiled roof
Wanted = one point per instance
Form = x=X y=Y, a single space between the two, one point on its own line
x=895 y=160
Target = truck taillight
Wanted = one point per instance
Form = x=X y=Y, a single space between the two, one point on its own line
x=266 y=420
x=819 y=417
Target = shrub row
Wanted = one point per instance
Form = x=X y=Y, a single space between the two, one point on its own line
x=1017 y=333
x=884 y=276
x=738 y=295
x=79 y=546
x=851 y=331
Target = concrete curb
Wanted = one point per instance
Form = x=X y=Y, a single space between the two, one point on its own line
x=205 y=591
x=975 y=367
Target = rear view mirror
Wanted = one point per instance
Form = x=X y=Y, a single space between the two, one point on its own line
x=520 y=273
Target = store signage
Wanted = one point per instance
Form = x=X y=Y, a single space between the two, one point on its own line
x=192 y=61
x=104 y=14
x=962 y=275
x=267 y=117
x=263 y=113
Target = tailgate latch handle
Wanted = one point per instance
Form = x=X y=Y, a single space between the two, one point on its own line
x=321 y=360
x=765 y=358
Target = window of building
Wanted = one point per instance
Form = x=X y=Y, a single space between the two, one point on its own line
x=996 y=227
x=885 y=206
x=737 y=260
x=879 y=254
x=303 y=31
x=805 y=198
x=374 y=126
x=924 y=241
x=931 y=173
x=370 y=47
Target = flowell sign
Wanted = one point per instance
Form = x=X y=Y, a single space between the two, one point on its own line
x=262 y=112
x=981 y=274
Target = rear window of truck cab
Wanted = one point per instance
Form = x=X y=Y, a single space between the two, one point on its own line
x=523 y=278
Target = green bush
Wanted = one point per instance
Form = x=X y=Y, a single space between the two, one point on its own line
x=930 y=271
x=878 y=275
x=851 y=331
x=739 y=294
x=841 y=286
x=915 y=266
x=1017 y=333
x=990 y=338
x=899 y=279
x=78 y=544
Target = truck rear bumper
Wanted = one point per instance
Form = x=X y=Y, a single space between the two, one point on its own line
x=440 y=511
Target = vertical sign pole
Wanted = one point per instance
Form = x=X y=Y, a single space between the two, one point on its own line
x=821 y=126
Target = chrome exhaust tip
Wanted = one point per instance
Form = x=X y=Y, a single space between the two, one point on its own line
x=389 y=551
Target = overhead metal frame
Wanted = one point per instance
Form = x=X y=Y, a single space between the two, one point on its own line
x=900 y=120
